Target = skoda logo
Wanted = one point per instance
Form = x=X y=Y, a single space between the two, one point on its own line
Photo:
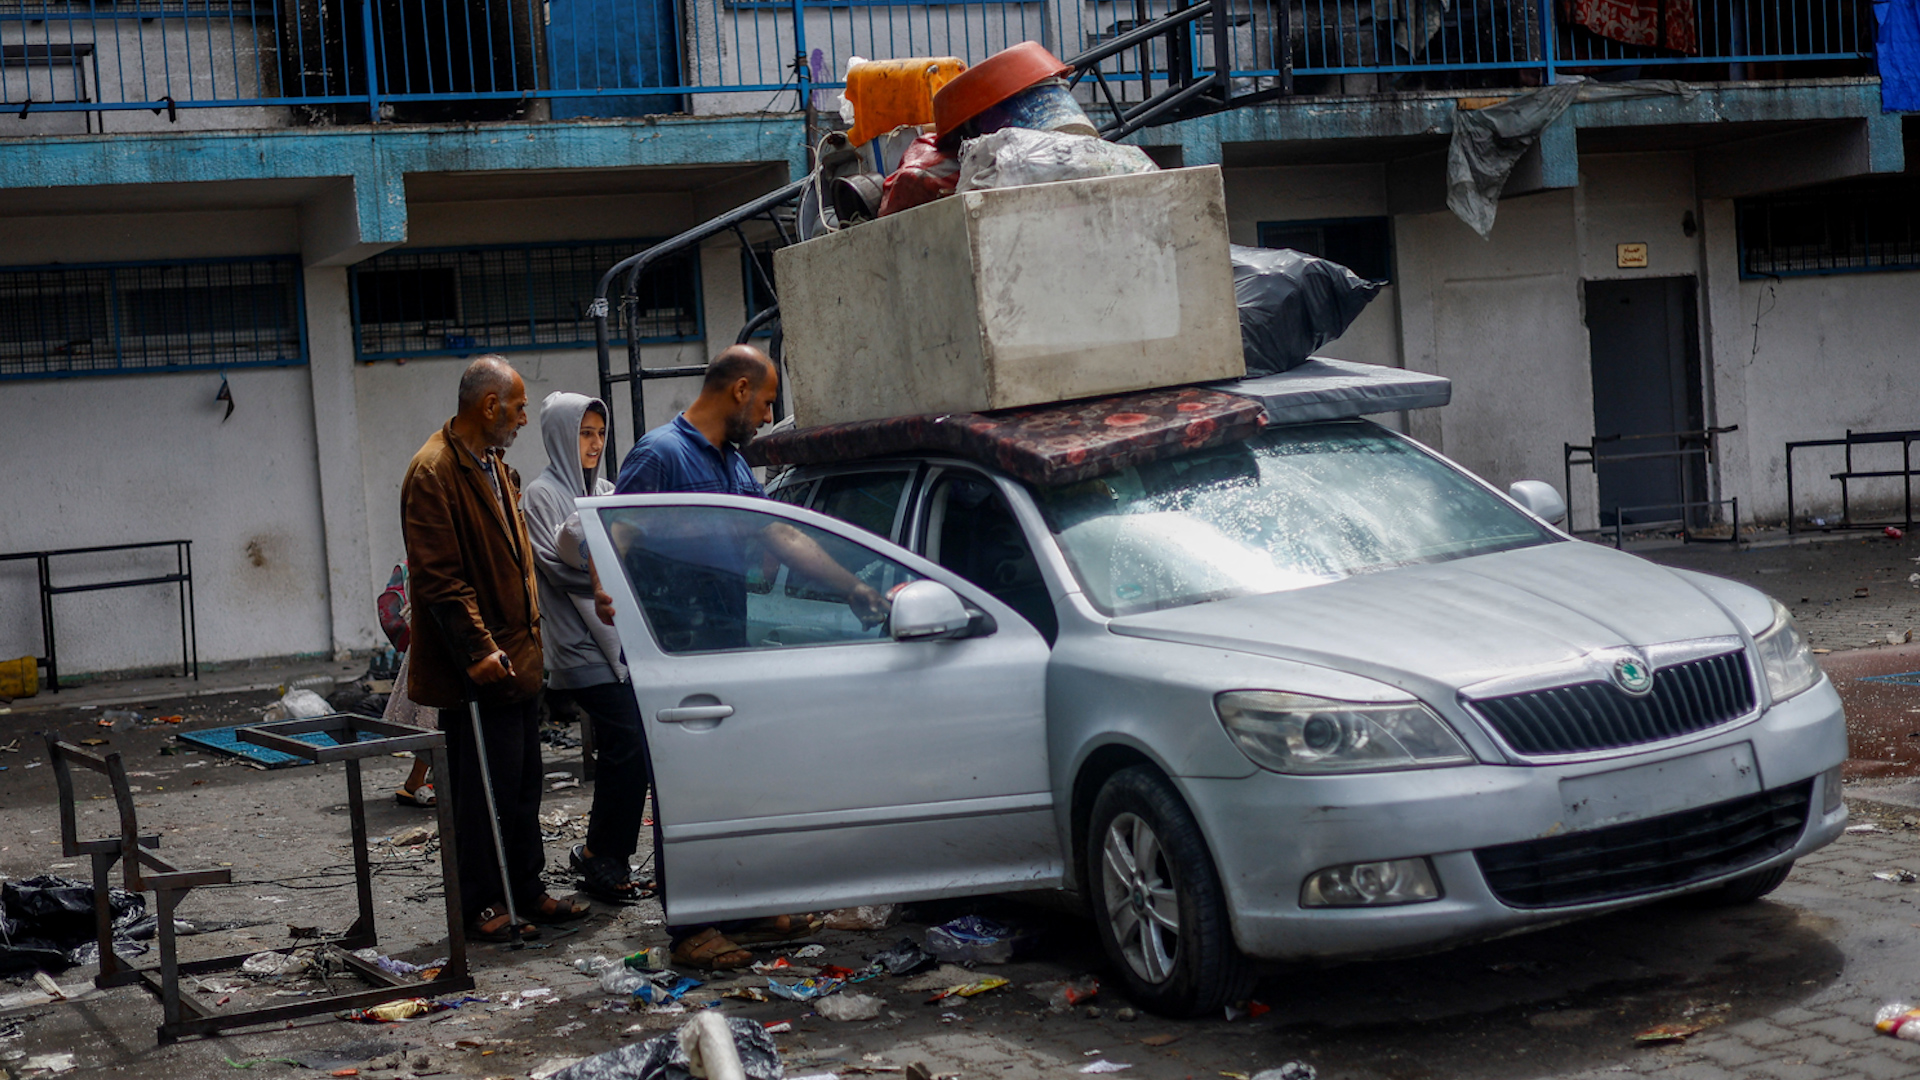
x=1630 y=673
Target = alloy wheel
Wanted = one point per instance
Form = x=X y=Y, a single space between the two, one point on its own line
x=1143 y=904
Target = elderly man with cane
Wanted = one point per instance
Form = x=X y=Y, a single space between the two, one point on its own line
x=476 y=649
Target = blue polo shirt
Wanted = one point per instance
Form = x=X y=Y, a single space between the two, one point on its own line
x=676 y=458
x=690 y=570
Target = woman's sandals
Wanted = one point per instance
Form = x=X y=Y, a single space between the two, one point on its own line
x=493 y=924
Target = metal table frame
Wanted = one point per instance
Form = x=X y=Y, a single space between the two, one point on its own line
x=1853 y=438
x=182 y=576
x=1690 y=444
x=144 y=870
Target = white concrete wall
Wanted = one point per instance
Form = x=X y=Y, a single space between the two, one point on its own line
x=147 y=457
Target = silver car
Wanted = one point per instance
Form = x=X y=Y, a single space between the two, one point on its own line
x=1318 y=694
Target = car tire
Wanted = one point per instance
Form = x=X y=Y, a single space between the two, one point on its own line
x=1188 y=968
x=1744 y=889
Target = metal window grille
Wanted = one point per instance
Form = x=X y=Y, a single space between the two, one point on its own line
x=462 y=301
x=149 y=317
x=1363 y=245
x=1852 y=228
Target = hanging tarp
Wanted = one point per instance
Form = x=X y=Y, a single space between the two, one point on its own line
x=1898 y=52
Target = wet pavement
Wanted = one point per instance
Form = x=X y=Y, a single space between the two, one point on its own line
x=1784 y=988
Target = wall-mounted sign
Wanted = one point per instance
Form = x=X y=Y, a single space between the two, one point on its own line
x=1630 y=256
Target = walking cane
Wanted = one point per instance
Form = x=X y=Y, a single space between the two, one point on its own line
x=493 y=808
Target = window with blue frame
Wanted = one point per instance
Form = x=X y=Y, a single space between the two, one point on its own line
x=1363 y=245
x=122 y=318
x=1854 y=227
x=463 y=301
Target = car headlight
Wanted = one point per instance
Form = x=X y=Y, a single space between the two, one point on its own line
x=1785 y=656
x=1299 y=733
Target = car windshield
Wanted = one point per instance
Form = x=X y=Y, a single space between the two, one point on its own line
x=1293 y=507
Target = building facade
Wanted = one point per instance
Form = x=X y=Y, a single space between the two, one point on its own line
x=311 y=213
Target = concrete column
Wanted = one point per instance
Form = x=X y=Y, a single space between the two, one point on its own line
x=1727 y=336
x=336 y=429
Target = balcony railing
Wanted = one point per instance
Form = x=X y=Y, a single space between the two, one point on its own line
x=128 y=63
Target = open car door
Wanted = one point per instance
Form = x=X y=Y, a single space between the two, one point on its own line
x=803 y=758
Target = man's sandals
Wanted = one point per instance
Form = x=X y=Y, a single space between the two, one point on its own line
x=605 y=877
x=709 y=950
x=492 y=924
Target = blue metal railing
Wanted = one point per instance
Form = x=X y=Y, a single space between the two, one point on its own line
x=350 y=60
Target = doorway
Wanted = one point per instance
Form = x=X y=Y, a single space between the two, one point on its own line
x=1644 y=345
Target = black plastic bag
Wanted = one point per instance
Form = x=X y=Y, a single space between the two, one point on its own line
x=661 y=1058
x=1291 y=303
x=47 y=922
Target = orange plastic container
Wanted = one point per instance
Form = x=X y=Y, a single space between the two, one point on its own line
x=888 y=93
x=991 y=82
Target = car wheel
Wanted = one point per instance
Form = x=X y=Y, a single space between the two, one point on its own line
x=1157 y=900
x=1744 y=889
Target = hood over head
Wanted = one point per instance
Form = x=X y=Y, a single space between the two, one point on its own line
x=560 y=417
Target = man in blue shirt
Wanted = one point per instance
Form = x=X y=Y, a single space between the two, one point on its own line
x=695 y=584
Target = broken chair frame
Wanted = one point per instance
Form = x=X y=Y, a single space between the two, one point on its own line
x=143 y=870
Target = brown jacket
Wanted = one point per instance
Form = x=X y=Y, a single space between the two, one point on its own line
x=471 y=576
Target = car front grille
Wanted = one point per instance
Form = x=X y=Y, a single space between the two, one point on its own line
x=1685 y=698
x=1647 y=856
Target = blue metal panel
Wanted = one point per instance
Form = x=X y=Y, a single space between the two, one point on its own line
x=599 y=46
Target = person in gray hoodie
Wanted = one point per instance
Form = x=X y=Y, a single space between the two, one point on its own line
x=582 y=652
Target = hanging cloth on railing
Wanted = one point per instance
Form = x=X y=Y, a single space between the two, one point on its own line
x=1652 y=24
x=1488 y=142
x=1899 y=54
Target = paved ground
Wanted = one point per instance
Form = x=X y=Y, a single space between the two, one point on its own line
x=1786 y=987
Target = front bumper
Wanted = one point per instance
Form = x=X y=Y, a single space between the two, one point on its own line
x=1446 y=814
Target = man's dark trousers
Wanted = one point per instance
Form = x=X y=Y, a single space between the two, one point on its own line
x=621 y=773
x=512 y=732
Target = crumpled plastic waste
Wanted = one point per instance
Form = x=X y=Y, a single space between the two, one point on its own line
x=864 y=917
x=270 y=964
x=926 y=173
x=1292 y=1070
x=667 y=990
x=971 y=939
x=1014 y=157
x=48 y=1064
x=668 y=1057
x=1105 y=1066
x=46 y=923
x=849 y=1007
x=395 y=1011
x=1064 y=995
x=393 y=966
x=972 y=989
x=804 y=989
x=297 y=705
x=904 y=958
x=1900 y=1020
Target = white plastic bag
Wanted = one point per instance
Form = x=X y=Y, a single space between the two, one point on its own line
x=298 y=705
x=1012 y=157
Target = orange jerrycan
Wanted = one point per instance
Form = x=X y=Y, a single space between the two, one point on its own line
x=888 y=93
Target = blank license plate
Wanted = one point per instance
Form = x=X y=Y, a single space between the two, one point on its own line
x=1663 y=787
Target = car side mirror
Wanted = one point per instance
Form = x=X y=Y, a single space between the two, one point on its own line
x=1540 y=499
x=927 y=610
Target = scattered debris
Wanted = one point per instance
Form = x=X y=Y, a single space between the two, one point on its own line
x=970 y=989
x=1292 y=1070
x=938 y=979
x=1897 y=876
x=551 y=1067
x=804 y=989
x=1064 y=995
x=708 y=1046
x=971 y=939
x=1246 y=1010
x=1165 y=1038
x=1900 y=1020
x=812 y=951
x=395 y=1011
x=272 y=964
x=1105 y=1066
x=1125 y=1014
x=1866 y=828
x=48 y=1064
x=865 y=917
x=903 y=959
x=849 y=1006
x=1668 y=1033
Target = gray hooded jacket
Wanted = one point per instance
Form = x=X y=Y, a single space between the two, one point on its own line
x=580 y=651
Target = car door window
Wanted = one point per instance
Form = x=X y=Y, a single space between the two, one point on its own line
x=711 y=579
x=870 y=500
x=971 y=531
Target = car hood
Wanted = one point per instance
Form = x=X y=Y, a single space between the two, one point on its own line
x=1456 y=623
